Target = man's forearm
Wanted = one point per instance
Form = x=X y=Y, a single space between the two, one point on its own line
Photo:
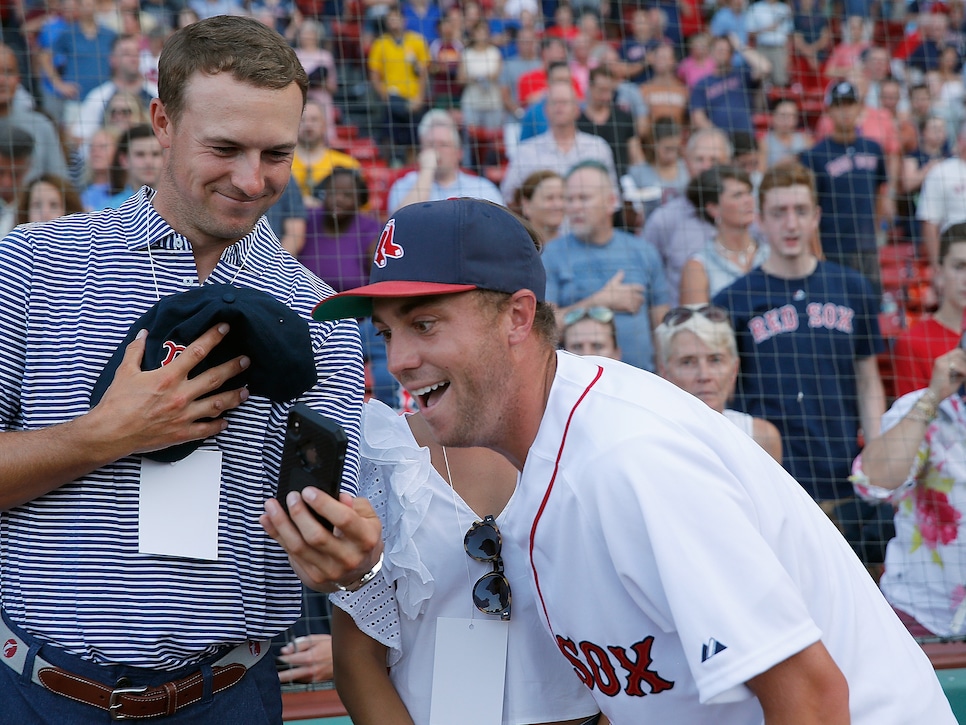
x=36 y=462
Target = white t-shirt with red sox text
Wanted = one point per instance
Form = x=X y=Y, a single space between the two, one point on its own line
x=674 y=560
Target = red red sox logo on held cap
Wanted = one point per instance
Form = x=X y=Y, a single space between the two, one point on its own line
x=387 y=247
x=172 y=350
x=9 y=648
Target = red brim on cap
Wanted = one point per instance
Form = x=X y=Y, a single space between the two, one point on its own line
x=358 y=302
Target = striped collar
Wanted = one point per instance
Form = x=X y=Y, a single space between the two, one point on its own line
x=146 y=227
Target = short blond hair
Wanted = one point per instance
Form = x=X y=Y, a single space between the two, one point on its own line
x=716 y=335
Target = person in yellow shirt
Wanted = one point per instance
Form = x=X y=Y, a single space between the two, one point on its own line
x=398 y=63
x=313 y=159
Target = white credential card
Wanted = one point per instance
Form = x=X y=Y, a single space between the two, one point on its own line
x=178 y=506
x=469 y=671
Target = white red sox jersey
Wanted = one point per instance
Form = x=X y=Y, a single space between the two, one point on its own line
x=674 y=560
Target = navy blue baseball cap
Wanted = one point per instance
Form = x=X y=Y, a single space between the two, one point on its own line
x=276 y=339
x=841 y=92
x=445 y=247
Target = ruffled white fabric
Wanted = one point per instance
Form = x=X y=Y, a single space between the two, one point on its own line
x=393 y=473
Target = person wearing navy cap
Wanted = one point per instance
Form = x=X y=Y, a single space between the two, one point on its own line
x=854 y=187
x=683 y=575
x=151 y=355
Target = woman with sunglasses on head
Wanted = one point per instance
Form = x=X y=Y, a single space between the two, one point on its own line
x=590 y=331
x=697 y=352
x=723 y=196
x=441 y=510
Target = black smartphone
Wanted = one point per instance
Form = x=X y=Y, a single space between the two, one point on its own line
x=313 y=455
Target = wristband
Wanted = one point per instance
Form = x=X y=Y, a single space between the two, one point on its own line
x=366 y=578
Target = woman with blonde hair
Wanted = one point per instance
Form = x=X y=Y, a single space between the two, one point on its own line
x=697 y=351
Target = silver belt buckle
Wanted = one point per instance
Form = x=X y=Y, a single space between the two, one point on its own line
x=113 y=706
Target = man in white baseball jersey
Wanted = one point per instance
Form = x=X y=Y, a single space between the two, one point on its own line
x=682 y=573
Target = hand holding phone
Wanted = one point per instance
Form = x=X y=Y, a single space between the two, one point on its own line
x=313 y=455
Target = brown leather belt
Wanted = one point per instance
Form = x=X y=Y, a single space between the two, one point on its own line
x=125 y=703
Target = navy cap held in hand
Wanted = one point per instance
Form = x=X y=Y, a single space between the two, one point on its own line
x=273 y=336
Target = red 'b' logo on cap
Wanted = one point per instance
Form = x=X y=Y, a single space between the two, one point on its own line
x=9 y=648
x=387 y=247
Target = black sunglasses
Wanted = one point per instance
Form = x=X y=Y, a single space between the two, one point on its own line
x=680 y=315
x=491 y=593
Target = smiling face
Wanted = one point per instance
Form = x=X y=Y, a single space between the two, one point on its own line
x=705 y=372
x=229 y=156
x=450 y=354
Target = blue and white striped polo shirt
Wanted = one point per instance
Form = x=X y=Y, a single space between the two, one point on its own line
x=70 y=571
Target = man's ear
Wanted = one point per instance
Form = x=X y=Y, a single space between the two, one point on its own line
x=161 y=123
x=521 y=313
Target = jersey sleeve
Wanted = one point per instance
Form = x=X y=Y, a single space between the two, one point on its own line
x=733 y=589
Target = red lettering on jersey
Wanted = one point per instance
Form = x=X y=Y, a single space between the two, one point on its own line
x=569 y=650
x=831 y=317
x=172 y=350
x=599 y=662
x=789 y=317
x=595 y=667
x=387 y=247
x=773 y=322
x=638 y=671
x=757 y=327
x=846 y=315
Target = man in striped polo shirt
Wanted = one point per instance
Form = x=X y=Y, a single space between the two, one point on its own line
x=100 y=620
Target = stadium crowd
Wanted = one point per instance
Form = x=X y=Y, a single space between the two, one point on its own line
x=635 y=137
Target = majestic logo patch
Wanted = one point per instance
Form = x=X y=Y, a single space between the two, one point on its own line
x=254 y=647
x=387 y=247
x=710 y=649
x=9 y=648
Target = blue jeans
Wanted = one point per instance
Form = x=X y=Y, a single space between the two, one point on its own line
x=255 y=700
